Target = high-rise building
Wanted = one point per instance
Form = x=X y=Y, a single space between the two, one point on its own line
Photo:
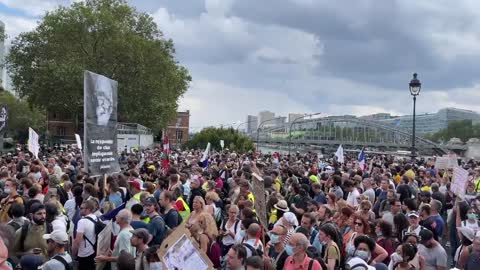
x=2 y=56
x=265 y=116
x=252 y=124
x=293 y=116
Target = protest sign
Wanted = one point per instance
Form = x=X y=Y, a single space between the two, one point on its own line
x=79 y=141
x=180 y=251
x=222 y=143
x=260 y=204
x=33 y=145
x=100 y=120
x=459 y=182
x=448 y=162
x=3 y=118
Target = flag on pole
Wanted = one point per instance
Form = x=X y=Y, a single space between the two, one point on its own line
x=165 y=154
x=204 y=159
x=339 y=154
x=362 y=163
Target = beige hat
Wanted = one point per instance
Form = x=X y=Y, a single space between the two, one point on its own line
x=281 y=205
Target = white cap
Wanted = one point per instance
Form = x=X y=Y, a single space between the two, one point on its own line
x=57 y=236
x=356 y=263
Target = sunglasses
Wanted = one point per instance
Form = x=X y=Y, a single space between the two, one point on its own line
x=359 y=224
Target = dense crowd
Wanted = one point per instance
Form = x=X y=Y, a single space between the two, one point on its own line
x=391 y=214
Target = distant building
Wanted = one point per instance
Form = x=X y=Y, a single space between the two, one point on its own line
x=178 y=129
x=264 y=116
x=293 y=116
x=61 y=126
x=277 y=122
x=252 y=124
x=377 y=116
x=431 y=122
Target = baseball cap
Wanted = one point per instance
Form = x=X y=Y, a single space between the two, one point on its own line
x=136 y=184
x=413 y=214
x=425 y=235
x=143 y=234
x=150 y=201
x=57 y=236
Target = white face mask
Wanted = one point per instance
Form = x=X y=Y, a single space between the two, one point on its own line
x=7 y=190
x=156 y=266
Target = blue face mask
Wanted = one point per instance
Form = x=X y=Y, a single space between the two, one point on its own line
x=274 y=239
x=289 y=250
x=364 y=255
x=471 y=216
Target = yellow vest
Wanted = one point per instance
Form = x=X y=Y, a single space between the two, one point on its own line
x=185 y=213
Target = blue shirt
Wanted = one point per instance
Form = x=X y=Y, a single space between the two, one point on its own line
x=138 y=224
x=156 y=228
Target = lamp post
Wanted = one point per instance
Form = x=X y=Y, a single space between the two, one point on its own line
x=260 y=125
x=290 y=129
x=415 y=86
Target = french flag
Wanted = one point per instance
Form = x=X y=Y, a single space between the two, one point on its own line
x=362 y=163
x=204 y=159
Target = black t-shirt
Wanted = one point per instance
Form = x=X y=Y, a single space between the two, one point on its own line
x=20 y=165
x=279 y=259
x=404 y=191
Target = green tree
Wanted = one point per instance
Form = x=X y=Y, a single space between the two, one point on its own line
x=107 y=37
x=232 y=138
x=463 y=130
x=21 y=116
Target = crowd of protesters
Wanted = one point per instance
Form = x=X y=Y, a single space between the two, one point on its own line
x=391 y=214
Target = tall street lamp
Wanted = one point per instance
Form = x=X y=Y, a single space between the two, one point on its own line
x=415 y=86
x=260 y=126
x=290 y=129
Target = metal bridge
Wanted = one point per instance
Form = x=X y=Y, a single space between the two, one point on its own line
x=351 y=132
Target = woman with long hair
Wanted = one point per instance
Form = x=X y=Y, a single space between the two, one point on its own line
x=400 y=224
x=198 y=209
x=329 y=237
x=361 y=227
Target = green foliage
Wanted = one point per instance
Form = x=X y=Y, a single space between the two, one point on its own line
x=463 y=130
x=107 y=37
x=232 y=138
x=21 y=116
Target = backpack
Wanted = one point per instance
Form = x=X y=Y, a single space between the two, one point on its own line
x=313 y=253
x=214 y=253
x=24 y=232
x=255 y=251
x=98 y=228
x=76 y=217
x=14 y=225
x=63 y=261
x=179 y=220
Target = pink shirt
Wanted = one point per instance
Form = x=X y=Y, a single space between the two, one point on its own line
x=291 y=265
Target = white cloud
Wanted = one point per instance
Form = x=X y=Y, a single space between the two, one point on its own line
x=214 y=102
x=15 y=25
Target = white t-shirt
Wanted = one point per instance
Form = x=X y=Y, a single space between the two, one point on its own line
x=70 y=208
x=229 y=240
x=87 y=227
x=352 y=197
x=60 y=224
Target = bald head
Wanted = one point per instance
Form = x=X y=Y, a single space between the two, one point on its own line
x=253 y=230
x=299 y=240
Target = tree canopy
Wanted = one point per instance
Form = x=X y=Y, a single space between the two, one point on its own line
x=21 y=116
x=107 y=37
x=464 y=130
x=232 y=138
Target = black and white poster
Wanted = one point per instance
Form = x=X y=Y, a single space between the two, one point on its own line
x=3 y=118
x=100 y=120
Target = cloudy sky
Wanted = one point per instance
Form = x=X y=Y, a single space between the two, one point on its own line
x=335 y=57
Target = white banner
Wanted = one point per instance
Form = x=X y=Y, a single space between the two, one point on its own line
x=459 y=182
x=33 y=145
x=79 y=141
x=222 y=143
